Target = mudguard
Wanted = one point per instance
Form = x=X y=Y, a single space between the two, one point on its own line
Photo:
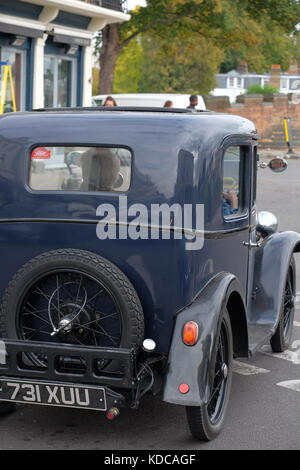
x=191 y=364
x=271 y=265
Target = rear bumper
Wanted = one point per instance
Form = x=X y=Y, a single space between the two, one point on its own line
x=119 y=370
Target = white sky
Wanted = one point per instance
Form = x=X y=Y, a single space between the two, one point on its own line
x=133 y=3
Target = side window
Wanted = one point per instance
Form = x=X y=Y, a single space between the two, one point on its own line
x=234 y=187
x=80 y=169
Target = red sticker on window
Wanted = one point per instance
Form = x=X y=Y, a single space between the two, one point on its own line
x=40 y=153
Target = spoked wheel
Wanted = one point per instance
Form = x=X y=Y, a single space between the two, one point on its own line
x=71 y=307
x=283 y=334
x=72 y=297
x=206 y=421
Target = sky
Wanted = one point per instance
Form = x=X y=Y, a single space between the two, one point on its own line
x=133 y=3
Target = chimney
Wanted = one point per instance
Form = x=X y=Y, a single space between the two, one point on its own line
x=293 y=69
x=243 y=67
x=275 y=76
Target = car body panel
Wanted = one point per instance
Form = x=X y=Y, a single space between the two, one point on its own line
x=176 y=158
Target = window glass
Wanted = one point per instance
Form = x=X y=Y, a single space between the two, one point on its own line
x=231 y=82
x=233 y=177
x=239 y=83
x=80 y=169
x=49 y=81
x=64 y=83
x=59 y=81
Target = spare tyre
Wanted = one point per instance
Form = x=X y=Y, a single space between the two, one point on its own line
x=74 y=297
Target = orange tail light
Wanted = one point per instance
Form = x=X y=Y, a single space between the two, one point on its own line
x=190 y=333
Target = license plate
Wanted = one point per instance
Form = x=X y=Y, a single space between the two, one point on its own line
x=43 y=393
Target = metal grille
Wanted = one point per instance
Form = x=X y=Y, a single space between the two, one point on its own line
x=118 y=5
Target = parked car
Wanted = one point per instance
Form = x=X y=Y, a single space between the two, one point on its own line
x=156 y=100
x=111 y=291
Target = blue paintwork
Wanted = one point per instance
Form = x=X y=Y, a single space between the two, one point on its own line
x=29 y=74
x=80 y=74
x=194 y=361
x=66 y=18
x=57 y=48
x=177 y=158
x=22 y=9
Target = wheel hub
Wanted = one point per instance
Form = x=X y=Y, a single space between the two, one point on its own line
x=73 y=316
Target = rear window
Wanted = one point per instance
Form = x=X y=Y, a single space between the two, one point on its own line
x=80 y=169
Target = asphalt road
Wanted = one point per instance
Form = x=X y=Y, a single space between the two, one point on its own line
x=264 y=411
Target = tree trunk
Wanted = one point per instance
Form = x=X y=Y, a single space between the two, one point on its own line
x=109 y=53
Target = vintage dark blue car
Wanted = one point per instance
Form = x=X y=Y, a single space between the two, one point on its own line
x=134 y=260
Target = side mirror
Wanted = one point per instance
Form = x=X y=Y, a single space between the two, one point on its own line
x=266 y=224
x=278 y=165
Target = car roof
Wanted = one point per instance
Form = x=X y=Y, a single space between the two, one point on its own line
x=101 y=121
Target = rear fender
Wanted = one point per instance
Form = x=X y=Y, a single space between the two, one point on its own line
x=191 y=364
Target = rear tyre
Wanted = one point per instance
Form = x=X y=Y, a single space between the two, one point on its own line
x=206 y=421
x=283 y=334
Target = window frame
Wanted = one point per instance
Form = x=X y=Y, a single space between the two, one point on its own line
x=245 y=177
x=23 y=72
x=70 y=192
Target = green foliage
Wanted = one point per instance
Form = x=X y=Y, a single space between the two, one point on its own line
x=152 y=65
x=257 y=89
x=183 y=42
x=129 y=68
x=274 y=44
x=95 y=80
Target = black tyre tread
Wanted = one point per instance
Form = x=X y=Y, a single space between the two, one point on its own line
x=125 y=287
x=277 y=342
x=196 y=415
x=196 y=423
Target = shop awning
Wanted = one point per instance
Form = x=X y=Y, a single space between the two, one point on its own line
x=64 y=39
x=21 y=30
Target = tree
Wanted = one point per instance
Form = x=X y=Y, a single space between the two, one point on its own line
x=152 y=65
x=130 y=68
x=224 y=23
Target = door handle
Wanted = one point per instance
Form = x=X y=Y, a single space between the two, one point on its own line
x=252 y=245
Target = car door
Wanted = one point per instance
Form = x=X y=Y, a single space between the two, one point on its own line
x=235 y=207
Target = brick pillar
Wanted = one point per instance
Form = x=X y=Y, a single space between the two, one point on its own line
x=293 y=69
x=275 y=76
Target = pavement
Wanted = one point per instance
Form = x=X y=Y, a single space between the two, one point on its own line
x=266 y=153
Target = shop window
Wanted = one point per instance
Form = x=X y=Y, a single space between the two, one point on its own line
x=59 y=82
x=16 y=59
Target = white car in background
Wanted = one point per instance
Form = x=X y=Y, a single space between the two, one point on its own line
x=156 y=100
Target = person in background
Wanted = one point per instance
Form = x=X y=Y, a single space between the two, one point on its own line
x=110 y=102
x=169 y=104
x=193 y=102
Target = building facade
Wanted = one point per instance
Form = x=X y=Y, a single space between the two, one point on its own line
x=236 y=82
x=49 y=45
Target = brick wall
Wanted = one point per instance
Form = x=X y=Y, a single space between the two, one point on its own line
x=267 y=112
